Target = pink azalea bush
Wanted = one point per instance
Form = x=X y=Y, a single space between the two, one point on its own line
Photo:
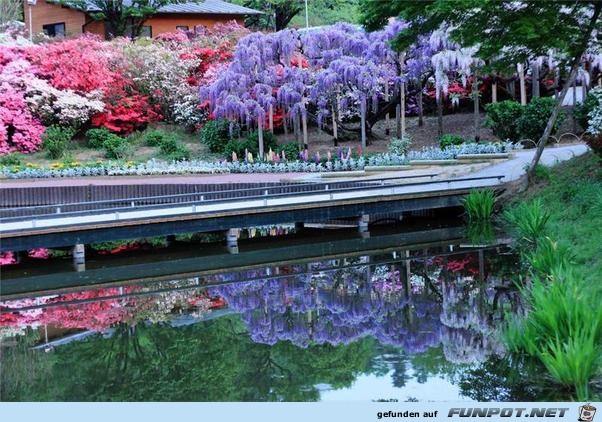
x=121 y=85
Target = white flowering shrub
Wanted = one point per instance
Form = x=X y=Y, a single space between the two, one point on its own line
x=64 y=107
x=594 y=117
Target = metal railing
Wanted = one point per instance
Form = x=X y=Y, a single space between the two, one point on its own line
x=133 y=204
x=231 y=193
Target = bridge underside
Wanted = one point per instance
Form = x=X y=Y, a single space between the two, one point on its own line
x=209 y=222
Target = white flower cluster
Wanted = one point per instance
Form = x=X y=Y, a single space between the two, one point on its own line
x=594 y=122
x=64 y=107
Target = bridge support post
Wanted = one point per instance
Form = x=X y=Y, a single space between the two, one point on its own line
x=79 y=257
x=232 y=240
x=362 y=225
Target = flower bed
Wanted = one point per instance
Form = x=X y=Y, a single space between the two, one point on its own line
x=157 y=167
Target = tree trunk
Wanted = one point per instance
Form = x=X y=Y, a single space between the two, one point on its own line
x=335 y=132
x=535 y=80
x=523 y=87
x=439 y=112
x=271 y=118
x=475 y=99
x=402 y=106
x=387 y=115
x=420 y=109
x=398 y=120
x=573 y=106
x=574 y=67
x=494 y=91
x=304 y=123
x=363 y=118
x=260 y=138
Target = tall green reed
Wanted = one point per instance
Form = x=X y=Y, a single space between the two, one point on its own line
x=479 y=204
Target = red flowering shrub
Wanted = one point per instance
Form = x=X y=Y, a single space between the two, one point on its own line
x=80 y=64
x=127 y=114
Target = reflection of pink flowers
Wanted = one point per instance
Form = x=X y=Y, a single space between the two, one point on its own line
x=99 y=315
x=38 y=253
x=7 y=258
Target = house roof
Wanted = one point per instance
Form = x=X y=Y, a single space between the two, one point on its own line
x=206 y=7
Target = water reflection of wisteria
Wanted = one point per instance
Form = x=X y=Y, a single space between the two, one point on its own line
x=442 y=302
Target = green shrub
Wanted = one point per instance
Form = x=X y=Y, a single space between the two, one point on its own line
x=216 y=134
x=117 y=147
x=153 y=138
x=529 y=219
x=291 y=150
x=56 y=140
x=180 y=153
x=400 y=146
x=269 y=140
x=543 y=173
x=502 y=118
x=11 y=160
x=95 y=138
x=563 y=328
x=239 y=148
x=534 y=119
x=168 y=144
x=450 y=139
x=478 y=204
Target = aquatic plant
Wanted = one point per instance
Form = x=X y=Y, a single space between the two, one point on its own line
x=478 y=204
x=529 y=219
x=563 y=328
x=480 y=232
x=549 y=257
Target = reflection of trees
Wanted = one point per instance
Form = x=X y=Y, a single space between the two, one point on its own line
x=508 y=379
x=212 y=361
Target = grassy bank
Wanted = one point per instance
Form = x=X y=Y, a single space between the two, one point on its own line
x=558 y=224
x=571 y=193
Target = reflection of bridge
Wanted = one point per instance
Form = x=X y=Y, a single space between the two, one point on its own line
x=313 y=246
x=81 y=222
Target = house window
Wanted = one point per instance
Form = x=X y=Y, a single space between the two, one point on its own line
x=54 y=29
x=146 y=31
x=182 y=27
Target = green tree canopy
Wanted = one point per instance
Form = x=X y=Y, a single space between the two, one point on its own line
x=503 y=32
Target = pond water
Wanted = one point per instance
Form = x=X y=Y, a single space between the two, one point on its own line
x=419 y=323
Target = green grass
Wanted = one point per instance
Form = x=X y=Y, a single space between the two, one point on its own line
x=559 y=223
x=573 y=200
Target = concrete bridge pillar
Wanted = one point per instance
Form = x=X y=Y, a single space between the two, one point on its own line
x=79 y=257
x=232 y=240
x=362 y=225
